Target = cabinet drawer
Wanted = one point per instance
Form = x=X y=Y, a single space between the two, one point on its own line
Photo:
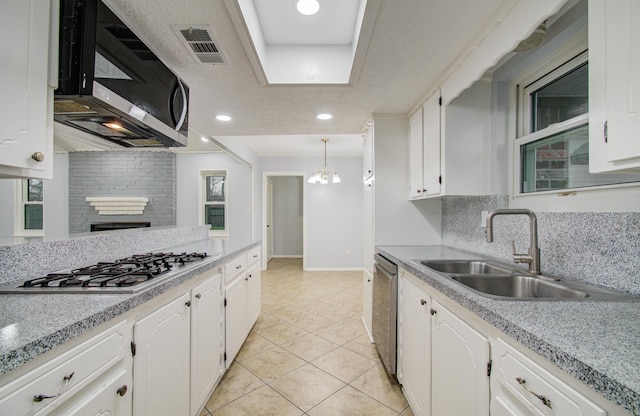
x=76 y=367
x=253 y=255
x=528 y=385
x=235 y=267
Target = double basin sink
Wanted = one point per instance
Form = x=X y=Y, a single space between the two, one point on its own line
x=499 y=281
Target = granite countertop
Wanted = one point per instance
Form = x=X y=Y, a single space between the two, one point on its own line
x=32 y=324
x=597 y=342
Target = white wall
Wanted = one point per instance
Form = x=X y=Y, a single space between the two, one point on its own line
x=239 y=191
x=56 y=199
x=396 y=219
x=333 y=211
x=287 y=216
x=7 y=192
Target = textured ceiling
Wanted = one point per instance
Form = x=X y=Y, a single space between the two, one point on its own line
x=413 y=42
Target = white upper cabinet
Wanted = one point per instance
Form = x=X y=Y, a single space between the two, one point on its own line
x=367 y=152
x=26 y=105
x=614 y=85
x=424 y=149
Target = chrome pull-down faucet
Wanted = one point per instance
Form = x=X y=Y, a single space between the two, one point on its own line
x=533 y=257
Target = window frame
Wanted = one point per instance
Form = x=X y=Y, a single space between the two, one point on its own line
x=597 y=198
x=202 y=202
x=20 y=200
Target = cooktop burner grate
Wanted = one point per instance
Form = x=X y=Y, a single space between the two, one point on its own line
x=123 y=273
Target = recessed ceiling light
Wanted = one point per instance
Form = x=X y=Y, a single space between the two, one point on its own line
x=308 y=7
x=222 y=117
x=324 y=116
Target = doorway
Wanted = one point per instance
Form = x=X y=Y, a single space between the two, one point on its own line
x=284 y=217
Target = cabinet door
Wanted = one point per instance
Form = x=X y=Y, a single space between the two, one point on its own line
x=26 y=126
x=206 y=348
x=235 y=318
x=460 y=384
x=253 y=295
x=431 y=146
x=416 y=348
x=367 y=301
x=161 y=364
x=614 y=85
x=415 y=155
x=367 y=152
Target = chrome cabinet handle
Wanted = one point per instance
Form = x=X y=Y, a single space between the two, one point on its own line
x=432 y=311
x=422 y=301
x=239 y=266
x=41 y=397
x=188 y=303
x=198 y=296
x=544 y=400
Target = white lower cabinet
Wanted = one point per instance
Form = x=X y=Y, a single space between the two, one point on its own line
x=236 y=318
x=453 y=363
x=443 y=359
x=521 y=387
x=367 y=302
x=206 y=340
x=242 y=308
x=161 y=361
x=178 y=352
x=92 y=377
x=460 y=359
x=414 y=323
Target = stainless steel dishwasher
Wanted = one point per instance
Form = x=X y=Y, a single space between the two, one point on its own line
x=385 y=310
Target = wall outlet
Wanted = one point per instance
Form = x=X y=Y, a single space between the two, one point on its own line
x=348 y=252
x=483 y=220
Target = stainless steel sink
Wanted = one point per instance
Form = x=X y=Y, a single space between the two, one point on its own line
x=501 y=281
x=466 y=267
x=519 y=287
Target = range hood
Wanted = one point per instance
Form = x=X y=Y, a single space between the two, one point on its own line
x=111 y=85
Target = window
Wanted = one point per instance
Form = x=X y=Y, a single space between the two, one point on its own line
x=214 y=201
x=29 y=219
x=553 y=142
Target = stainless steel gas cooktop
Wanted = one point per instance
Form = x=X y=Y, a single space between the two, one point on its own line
x=127 y=275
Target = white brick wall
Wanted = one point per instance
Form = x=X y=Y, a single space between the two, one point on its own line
x=147 y=174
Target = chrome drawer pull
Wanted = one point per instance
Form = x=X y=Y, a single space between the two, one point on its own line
x=41 y=397
x=544 y=400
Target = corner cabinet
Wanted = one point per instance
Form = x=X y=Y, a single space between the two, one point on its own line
x=424 y=149
x=614 y=86
x=29 y=53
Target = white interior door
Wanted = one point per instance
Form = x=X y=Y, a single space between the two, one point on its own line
x=269 y=220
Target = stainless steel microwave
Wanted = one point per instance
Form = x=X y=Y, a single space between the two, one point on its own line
x=112 y=85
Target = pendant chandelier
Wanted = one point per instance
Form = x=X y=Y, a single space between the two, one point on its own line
x=322 y=175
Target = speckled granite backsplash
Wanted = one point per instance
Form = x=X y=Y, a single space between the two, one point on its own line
x=24 y=261
x=601 y=248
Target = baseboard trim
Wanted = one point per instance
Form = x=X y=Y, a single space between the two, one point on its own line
x=286 y=257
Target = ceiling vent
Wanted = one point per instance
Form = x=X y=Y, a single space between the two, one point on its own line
x=200 y=43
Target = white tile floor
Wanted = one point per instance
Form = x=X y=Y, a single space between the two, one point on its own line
x=308 y=353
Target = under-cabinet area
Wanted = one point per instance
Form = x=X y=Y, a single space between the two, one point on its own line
x=164 y=355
